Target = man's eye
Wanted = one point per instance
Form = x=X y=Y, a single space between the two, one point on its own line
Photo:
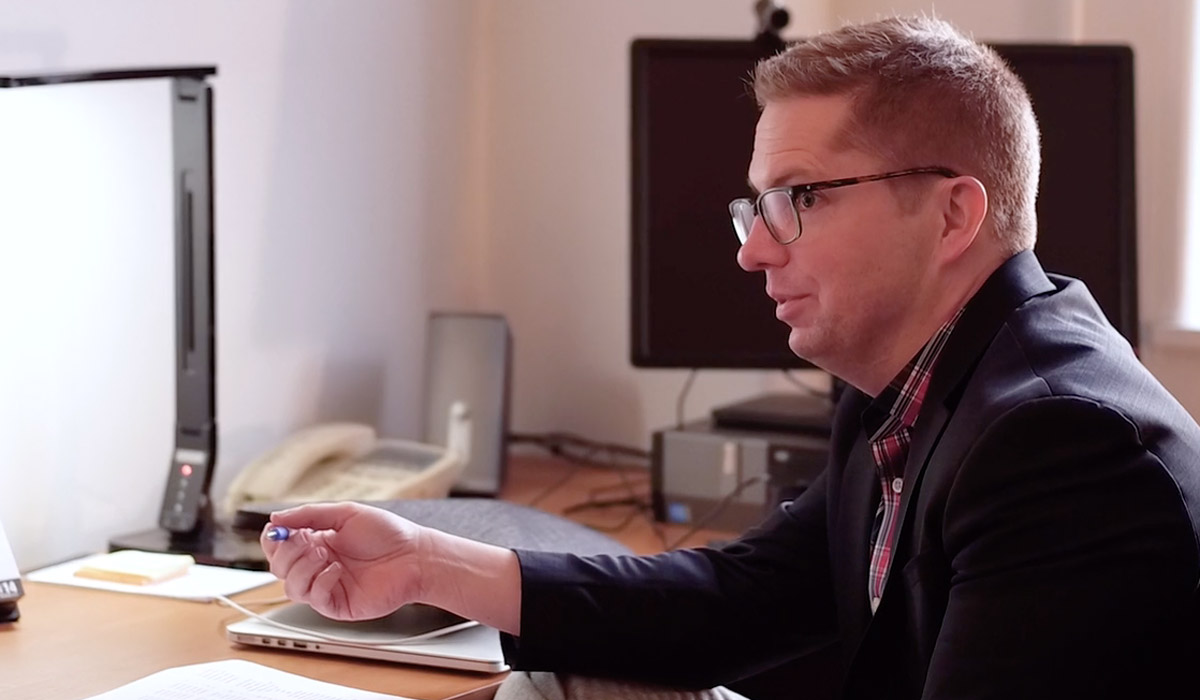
x=806 y=200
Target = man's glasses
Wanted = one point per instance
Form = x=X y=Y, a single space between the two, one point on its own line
x=780 y=207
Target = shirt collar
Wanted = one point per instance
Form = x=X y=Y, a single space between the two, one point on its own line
x=897 y=406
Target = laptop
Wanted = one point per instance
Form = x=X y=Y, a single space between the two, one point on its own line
x=475 y=648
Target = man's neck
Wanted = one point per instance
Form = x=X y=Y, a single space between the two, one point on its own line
x=946 y=300
x=900 y=351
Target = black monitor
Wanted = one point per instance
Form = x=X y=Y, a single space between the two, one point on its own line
x=693 y=123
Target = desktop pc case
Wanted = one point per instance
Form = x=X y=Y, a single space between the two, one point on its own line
x=727 y=478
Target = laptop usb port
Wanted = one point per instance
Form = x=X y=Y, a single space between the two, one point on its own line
x=300 y=645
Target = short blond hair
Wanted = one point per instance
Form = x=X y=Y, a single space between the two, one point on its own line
x=924 y=94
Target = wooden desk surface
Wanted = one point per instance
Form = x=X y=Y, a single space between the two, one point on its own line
x=72 y=643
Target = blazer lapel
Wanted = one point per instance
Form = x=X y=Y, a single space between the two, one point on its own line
x=861 y=489
x=1013 y=283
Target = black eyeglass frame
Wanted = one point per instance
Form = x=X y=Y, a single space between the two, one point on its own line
x=794 y=192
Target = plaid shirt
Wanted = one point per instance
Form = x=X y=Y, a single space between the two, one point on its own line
x=889 y=421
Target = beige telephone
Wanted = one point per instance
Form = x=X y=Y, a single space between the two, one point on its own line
x=345 y=461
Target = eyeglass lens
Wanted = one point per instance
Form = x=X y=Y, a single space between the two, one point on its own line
x=742 y=212
x=777 y=211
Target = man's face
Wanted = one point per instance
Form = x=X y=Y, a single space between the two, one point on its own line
x=859 y=272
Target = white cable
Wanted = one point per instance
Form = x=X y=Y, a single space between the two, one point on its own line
x=398 y=641
x=278 y=600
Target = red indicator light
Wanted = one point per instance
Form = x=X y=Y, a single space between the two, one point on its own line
x=186 y=470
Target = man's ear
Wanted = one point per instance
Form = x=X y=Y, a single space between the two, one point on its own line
x=965 y=207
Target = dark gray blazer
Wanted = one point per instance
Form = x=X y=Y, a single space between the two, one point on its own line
x=1048 y=542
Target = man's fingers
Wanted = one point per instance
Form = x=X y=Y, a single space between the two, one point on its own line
x=283 y=558
x=303 y=571
x=326 y=595
x=315 y=516
x=268 y=546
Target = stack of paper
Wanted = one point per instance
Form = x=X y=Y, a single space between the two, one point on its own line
x=200 y=582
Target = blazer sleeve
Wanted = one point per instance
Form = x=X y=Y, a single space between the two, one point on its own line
x=687 y=618
x=1071 y=556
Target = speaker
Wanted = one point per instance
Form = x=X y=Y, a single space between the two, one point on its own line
x=468 y=358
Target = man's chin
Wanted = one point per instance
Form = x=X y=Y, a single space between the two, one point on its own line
x=801 y=345
x=804 y=345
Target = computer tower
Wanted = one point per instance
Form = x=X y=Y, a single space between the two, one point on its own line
x=728 y=479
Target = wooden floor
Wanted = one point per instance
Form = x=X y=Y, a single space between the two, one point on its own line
x=612 y=500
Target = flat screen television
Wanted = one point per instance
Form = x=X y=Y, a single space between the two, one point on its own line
x=692 y=135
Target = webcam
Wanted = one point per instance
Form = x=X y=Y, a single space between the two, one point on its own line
x=772 y=17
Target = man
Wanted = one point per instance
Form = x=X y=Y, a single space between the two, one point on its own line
x=1011 y=504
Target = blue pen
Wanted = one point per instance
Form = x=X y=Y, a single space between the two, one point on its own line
x=278 y=533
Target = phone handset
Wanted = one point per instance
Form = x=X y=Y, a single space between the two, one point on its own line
x=272 y=476
x=458 y=432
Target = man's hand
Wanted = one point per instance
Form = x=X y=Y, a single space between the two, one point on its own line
x=354 y=562
x=346 y=560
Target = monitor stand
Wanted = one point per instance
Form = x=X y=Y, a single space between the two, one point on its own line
x=785 y=412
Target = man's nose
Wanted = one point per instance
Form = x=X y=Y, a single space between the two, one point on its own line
x=761 y=251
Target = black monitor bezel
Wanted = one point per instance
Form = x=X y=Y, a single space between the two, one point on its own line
x=641 y=356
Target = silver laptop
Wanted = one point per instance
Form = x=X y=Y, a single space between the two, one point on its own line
x=472 y=649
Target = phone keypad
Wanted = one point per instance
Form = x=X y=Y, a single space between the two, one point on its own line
x=359 y=481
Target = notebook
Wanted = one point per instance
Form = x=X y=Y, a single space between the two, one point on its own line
x=472 y=649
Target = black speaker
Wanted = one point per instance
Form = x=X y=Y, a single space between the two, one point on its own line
x=468 y=358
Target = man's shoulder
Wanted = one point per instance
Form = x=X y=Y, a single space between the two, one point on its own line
x=1058 y=349
x=1062 y=344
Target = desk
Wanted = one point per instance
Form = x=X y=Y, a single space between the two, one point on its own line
x=72 y=643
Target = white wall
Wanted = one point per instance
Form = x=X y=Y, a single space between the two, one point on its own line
x=559 y=209
x=347 y=206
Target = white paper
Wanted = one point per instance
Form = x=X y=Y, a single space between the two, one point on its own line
x=200 y=583
x=234 y=679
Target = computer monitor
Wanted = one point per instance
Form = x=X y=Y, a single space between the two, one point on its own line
x=693 y=123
